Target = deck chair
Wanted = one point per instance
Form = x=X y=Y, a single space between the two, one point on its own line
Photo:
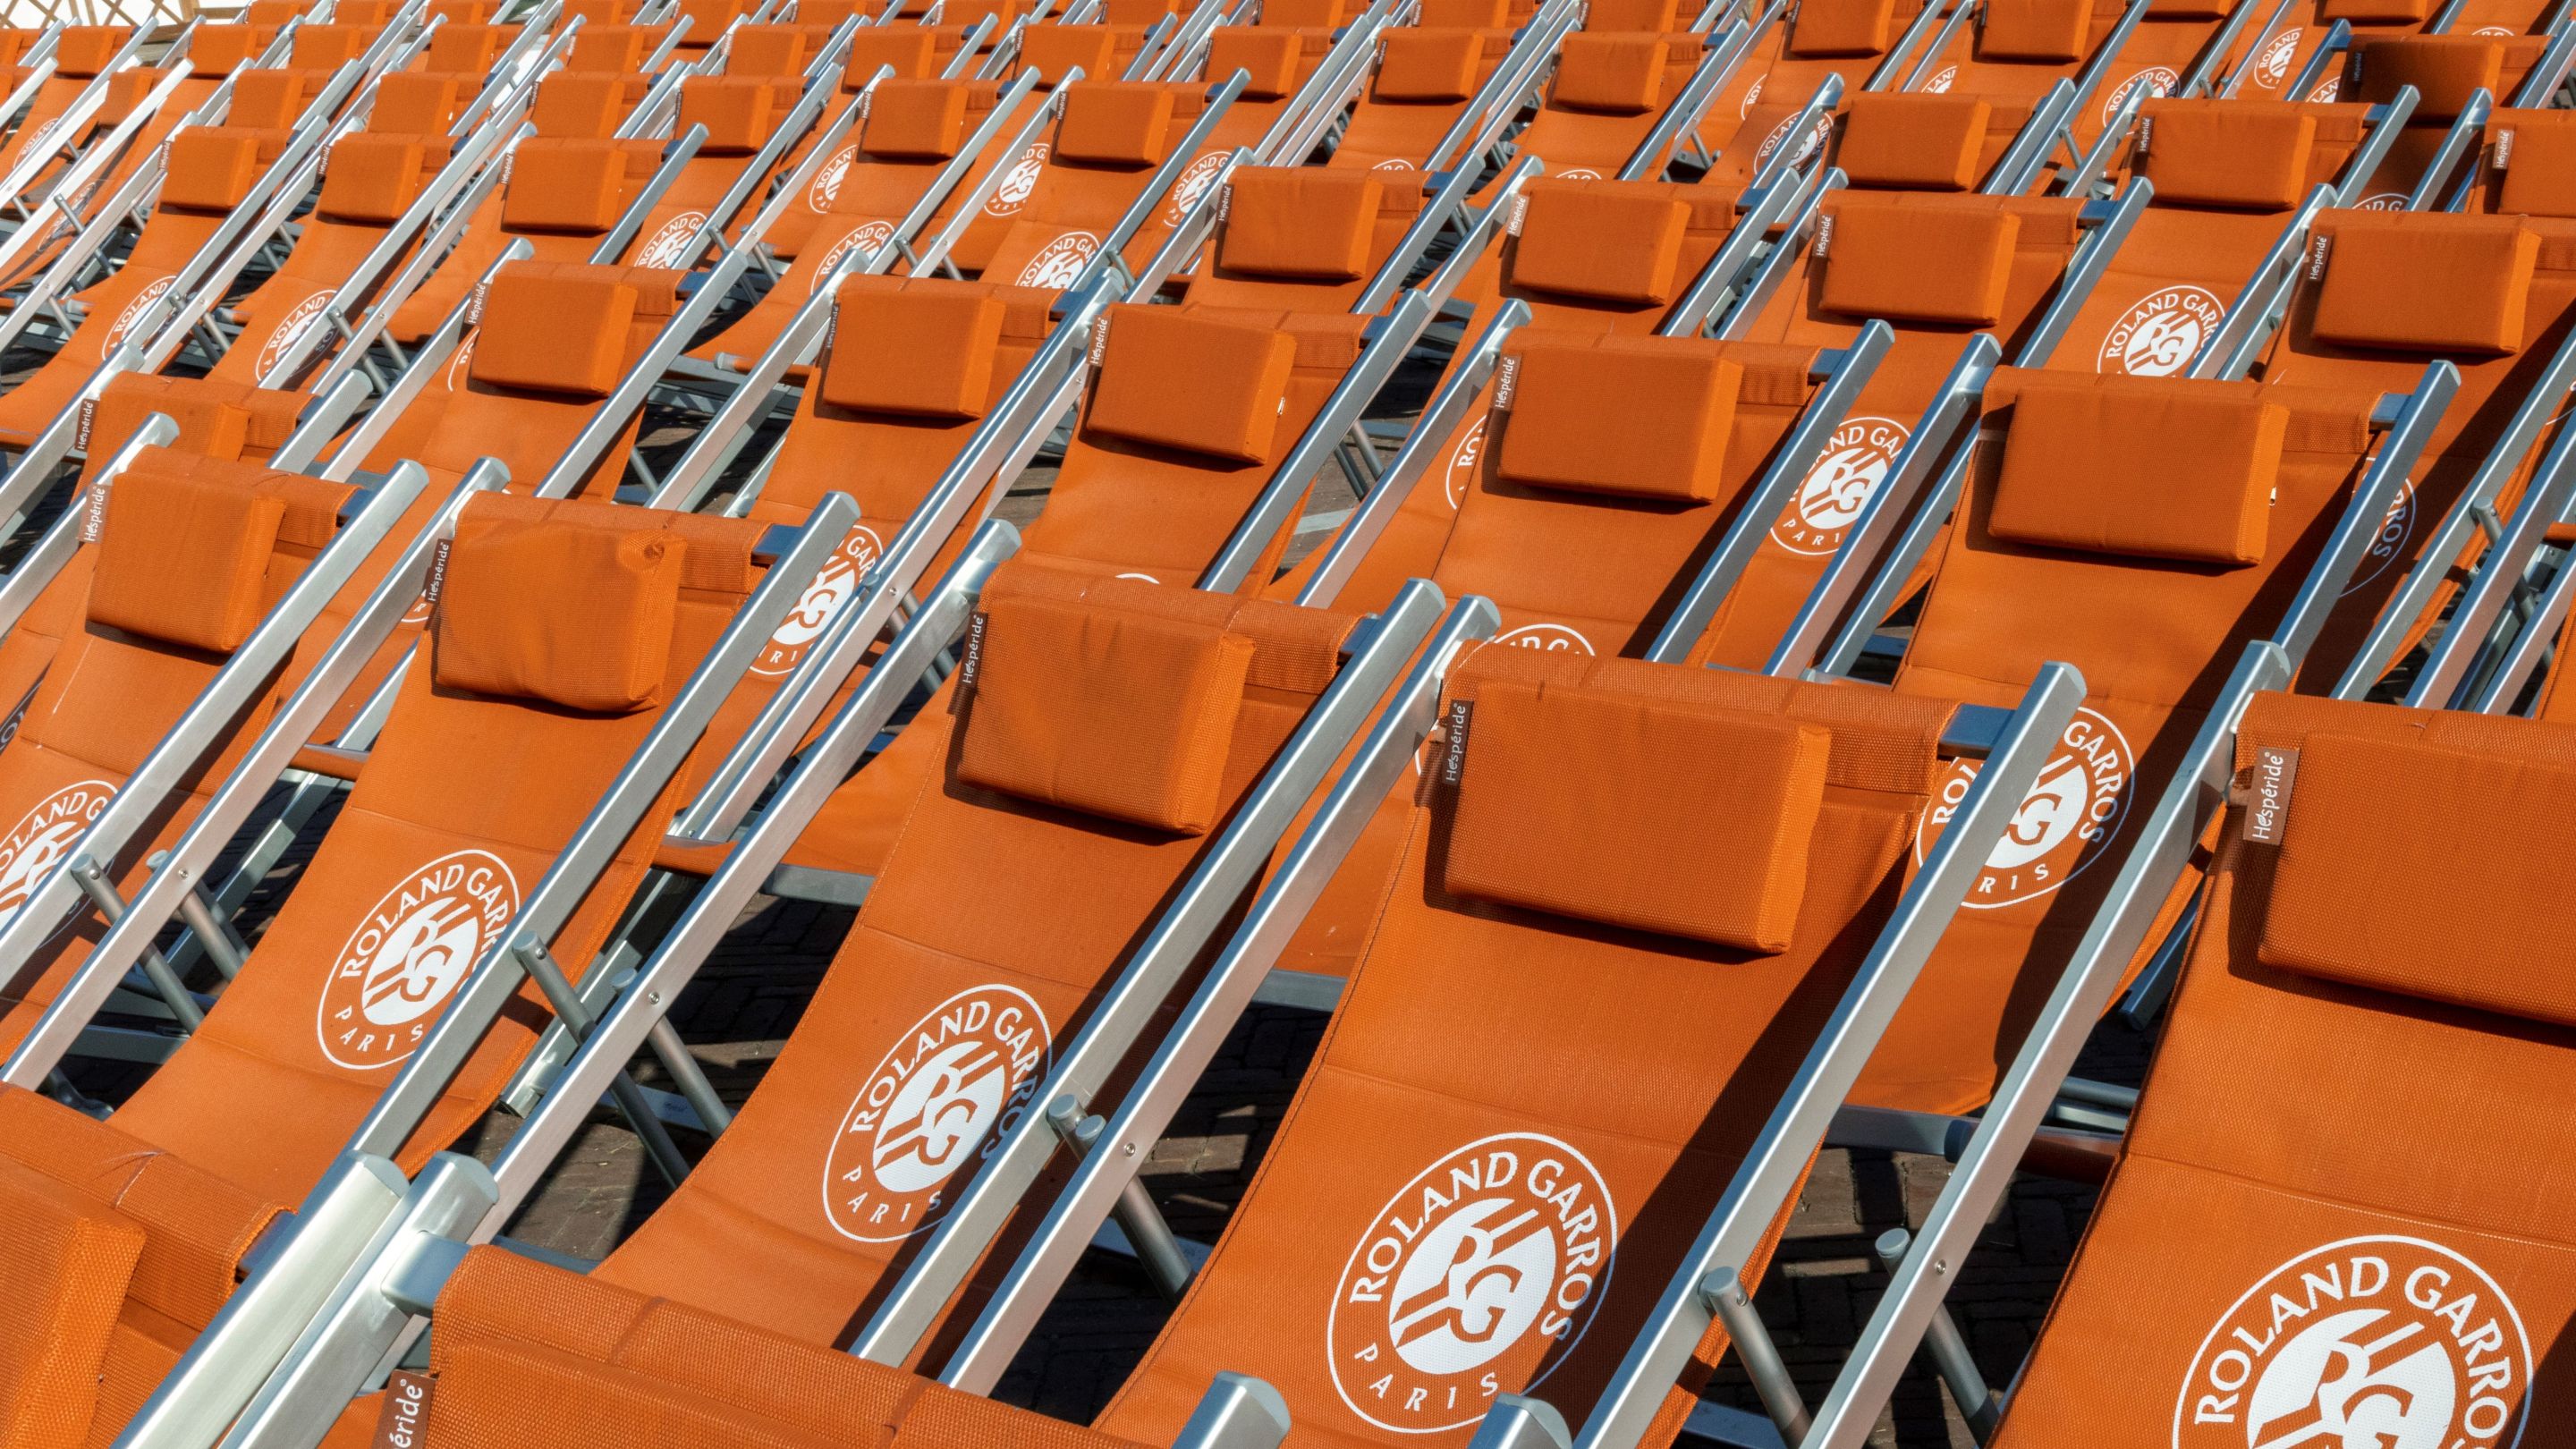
x=1429 y=81
x=740 y=117
x=1111 y=162
x=212 y=171
x=2460 y=80
x=2328 y=951
x=916 y=54
x=575 y=648
x=1863 y=44
x=918 y=143
x=82 y=54
x=2020 y=52
x=2301 y=480
x=1615 y=99
x=1304 y=239
x=139 y=657
x=2234 y=183
x=2490 y=294
x=1382 y=1130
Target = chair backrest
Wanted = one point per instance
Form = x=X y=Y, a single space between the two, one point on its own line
x=551 y=341
x=1067 y=806
x=1106 y=148
x=1422 y=80
x=1303 y=239
x=373 y=179
x=192 y=551
x=2384 y=904
x=1654 y=914
x=1606 y=94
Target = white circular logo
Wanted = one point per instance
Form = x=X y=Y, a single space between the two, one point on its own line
x=1578 y=173
x=42 y=837
x=1545 y=638
x=955 y=1081
x=1941 y=82
x=669 y=246
x=2369 y=1343
x=2072 y=811
x=834 y=585
x=871 y=236
x=1462 y=463
x=2161 y=334
x=1479 y=1275
x=133 y=313
x=2389 y=545
x=2381 y=201
x=1817 y=135
x=2326 y=91
x=2496 y=30
x=1193 y=184
x=2272 y=67
x=1847 y=473
x=1019 y=181
x=1060 y=261
x=409 y=954
x=461 y=366
x=291 y=330
x=2158 y=79
x=827 y=182
x=1396 y=164
x=1752 y=97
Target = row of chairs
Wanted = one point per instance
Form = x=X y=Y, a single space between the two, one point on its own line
x=1975 y=489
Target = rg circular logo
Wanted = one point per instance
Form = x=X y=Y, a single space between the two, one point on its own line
x=1060 y=261
x=955 y=1081
x=1839 y=486
x=872 y=235
x=1544 y=638
x=1479 y=1275
x=42 y=837
x=1752 y=97
x=152 y=292
x=2381 y=201
x=460 y=368
x=1018 y=182
x=2326 y=91
x=827 y=182
x=2162 y=334
x=1396 y=163
x=1193 y=185
x=1941 y=82
x=2158 y=79
x=409 y=954
x=292 y=329
x=2369 y=1343
x=2272 y=67
x=834 y=585
x=1463 y=461
x=1817 y=135
x=2072 y=811
x=669 y=246
x=1577 y=173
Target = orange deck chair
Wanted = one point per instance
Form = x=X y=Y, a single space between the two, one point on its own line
x=564 y=631
x=1864 y=44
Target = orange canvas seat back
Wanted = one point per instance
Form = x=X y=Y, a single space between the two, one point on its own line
x=2015 y=50
x=917 y=54
x=563 y=628
x=597 y=13
x=1421 y=83
x=1642 y=972
x=907 y=372
x=215 y=421
x=1580 y=531
x=192 y=552
x=2228 y=177
x=603 y=50
x=420 y=103
x=81 y=52
x=560 y=196
x=1277 y=60
x=1823 y=40
x=782 y=53
x=2526 y=167
x=2144 y=530
x=912 y=132
x=465 y=48
x=1586 y=257
x=2341 y=1211
x=1105 y=150
x=708 y=19
x=2446 y=72
x=2384 y=294
x=1604 y=98
x=1071 y=800
x=1302 y=239
x=372 y=181
x=549 y=341
x=1188 y=415
x=328 y=47
x=999 y=211
x=211 y=169
x=740 y=115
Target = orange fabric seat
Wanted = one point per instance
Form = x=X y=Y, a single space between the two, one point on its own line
x=2312 y=1243
x=1102 y=154
x=419 y=873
